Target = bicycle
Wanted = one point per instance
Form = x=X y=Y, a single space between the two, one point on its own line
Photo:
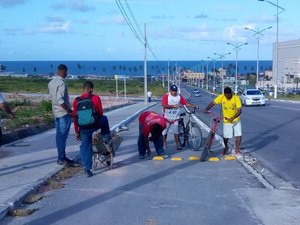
x=189 y=132
x=210 y=137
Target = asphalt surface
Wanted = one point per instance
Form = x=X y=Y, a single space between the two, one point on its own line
x=137 y=192
x=27 y=163
x=170 y=192
x=270 y=134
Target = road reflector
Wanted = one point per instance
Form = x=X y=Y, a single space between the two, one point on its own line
x=158 y=158
x=213 y=159
x=194 y=158
x=176 y=159
x=230 y=157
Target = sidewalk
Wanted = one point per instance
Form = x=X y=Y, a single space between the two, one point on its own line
x=27 y=163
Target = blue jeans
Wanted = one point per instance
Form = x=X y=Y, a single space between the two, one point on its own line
x=86 y=137
x=158 y=143
x=62 y=125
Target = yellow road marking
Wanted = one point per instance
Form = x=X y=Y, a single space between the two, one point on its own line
x=176 y=159
x=194 y=158
x=230 y=157
x=213 y=159
x=158 y=158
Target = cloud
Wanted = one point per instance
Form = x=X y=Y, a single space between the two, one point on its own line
x=235 y=33
x=11 y=3
x=77 y=5
x=56 y=27
x=201 y=16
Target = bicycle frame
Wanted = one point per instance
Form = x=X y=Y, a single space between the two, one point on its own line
x=191 y=131
x=211 y=136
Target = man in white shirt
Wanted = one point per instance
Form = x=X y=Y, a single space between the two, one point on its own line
x=149 y=95
x=171 y=103
x=62 y=112
x=4 y=107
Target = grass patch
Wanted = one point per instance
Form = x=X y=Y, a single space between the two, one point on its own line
x=27 y=114
x=101 y=87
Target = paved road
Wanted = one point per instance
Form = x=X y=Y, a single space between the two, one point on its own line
x=270 y=133
x=147 y=192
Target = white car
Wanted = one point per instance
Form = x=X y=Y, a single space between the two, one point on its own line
x=253 y=97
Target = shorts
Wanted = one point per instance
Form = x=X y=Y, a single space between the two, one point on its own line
x=171 y=128
x=231 y=130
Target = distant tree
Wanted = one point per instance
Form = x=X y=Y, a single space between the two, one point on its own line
x=141 y=67
x=103 y=69
x=120 y=67
x=114 y=67
x=252 y=68
x=124 y=68
x=94 y=68
x=51 y=66
x=245 y=68
x=297 y=81
x=135 y=69
x=129 y=69
x=23 y=70
x=79 y=66
x=2 y=67
x=270 y=67
x=34 y=69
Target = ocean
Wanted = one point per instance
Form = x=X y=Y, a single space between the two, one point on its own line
x=129 y=68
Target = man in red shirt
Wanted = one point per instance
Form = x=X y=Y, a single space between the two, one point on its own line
x=150 y=123
x=84 y=132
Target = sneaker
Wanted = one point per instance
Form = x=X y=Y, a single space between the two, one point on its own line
x=65 y=162
x=142 y=157
x=238 y=155
x=164 y=156
x=88 y=173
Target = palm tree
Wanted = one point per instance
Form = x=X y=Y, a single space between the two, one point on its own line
x=297 y=81
x=34 y=69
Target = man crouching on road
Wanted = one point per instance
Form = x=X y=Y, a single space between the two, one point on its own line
x=150 y=122
x=232 y=109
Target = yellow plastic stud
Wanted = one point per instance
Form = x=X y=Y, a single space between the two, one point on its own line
x=176 y=159
x=230 y=157
x=158 y=158
x=194 y=158
x=213 y=159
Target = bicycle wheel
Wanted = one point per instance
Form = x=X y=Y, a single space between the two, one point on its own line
x=195 y=137
x=181 y=133
x=207 y=146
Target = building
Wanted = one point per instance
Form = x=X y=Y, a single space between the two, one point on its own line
x=288 y=63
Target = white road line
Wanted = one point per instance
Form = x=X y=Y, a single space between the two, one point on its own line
x=284 y=107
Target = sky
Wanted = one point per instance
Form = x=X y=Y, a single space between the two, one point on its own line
x=176 y=29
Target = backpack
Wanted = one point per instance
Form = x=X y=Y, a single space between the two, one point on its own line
x=87 y=116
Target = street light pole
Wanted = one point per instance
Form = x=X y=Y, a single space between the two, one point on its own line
x=222 y=56
x=277 y=29
x=214 y=74
x=258 y=33
x=236 y=48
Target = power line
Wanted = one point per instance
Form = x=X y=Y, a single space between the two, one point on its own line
x=127 y=19
x=138 y=35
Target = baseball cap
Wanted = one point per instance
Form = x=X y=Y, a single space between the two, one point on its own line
x=173 y=87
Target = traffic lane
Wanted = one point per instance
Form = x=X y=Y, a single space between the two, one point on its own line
x=151 y=192
x=271 y=134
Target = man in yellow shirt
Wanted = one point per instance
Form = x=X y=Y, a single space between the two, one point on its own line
x=232 y=109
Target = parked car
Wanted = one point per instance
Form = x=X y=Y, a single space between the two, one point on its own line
x=252 y=97
x=195 y=90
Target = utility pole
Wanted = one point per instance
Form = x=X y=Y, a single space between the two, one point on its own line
x=145 y=68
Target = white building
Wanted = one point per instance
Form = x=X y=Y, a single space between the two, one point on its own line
x=288 y=63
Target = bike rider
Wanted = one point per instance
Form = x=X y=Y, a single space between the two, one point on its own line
x=171 y=103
